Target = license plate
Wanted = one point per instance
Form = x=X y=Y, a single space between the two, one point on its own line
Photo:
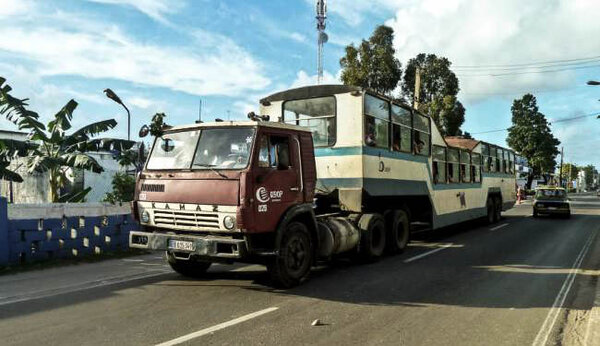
x=552 y=208
x=181 y=245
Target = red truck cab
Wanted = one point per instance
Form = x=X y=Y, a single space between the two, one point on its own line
x=226 y=191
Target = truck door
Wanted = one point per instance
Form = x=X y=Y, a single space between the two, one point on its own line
x=277 y=185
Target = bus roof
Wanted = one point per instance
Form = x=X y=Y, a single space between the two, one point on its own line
x=270 y=124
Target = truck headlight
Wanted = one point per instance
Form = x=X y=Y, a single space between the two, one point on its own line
x=229 y=222
x=145 y=216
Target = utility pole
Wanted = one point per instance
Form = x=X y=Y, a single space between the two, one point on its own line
x=417 y=88
x=200 y=111
x=562 y=154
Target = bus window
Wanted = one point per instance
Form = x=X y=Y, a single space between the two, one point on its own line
x=317 y=114
x=492 y=159
x=476 y=168
x=499 y=163
x=453 y=169
x=377 y=119
x=421 y=134
x=439 y=164
x=465 y=167
x=506 y=161
x=401 y=133
x=485 y=155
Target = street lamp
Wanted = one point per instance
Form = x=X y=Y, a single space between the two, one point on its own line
x=593 y=82
x=111 y=95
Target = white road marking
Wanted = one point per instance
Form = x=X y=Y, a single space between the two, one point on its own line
x=544 y=332
x=219 y=326
x=428 y=253
x=498 y=227
x=132 y=260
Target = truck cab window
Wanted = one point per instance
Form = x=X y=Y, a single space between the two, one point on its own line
x=274 y=152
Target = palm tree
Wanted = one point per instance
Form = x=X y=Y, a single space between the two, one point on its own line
x=54 y=151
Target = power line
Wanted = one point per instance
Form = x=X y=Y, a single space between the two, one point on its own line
x=511 y=68
x=526 y=72
x=560 y=120
x=528 y=64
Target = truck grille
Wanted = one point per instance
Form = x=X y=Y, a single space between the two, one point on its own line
x=153 y=187
x=186 y=218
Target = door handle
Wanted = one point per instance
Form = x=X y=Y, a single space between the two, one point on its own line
x=294 y=189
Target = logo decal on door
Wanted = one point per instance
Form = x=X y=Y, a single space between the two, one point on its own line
x=263 y=195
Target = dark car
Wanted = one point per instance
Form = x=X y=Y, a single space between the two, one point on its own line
x=551 y=201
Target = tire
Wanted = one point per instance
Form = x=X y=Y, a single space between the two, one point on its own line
x=398 y=231
x=291 y=266
x=372 y=237
x=490 y=211
x=497 y=209
x=535 y=213
x=567 y=216
x=190 y=268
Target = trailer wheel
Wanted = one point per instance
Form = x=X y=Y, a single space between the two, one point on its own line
x=372 y=237
x=497 y=209
x=190 y=268
x=398 y=231
x=490 y=207
x=292 y=263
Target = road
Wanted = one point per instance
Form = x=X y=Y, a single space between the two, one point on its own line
x=521 y=281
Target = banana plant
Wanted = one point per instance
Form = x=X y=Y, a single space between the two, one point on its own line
x=54 y=148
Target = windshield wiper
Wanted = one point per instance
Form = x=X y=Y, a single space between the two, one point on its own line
x=211 y=167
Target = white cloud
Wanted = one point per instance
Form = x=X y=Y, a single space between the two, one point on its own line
x=353 y=12
x=491 y=32
x=105 y=52
x=155 y=9
x=15 y=7
x=140 y=102
x=304 y=79
x=298 y=37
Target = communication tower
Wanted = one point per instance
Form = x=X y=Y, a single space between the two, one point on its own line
x=322 y=36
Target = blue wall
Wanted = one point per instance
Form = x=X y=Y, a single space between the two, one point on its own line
x=27 y=240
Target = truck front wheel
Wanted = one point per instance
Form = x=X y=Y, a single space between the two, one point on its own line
x=190 y=268
x=292 y=263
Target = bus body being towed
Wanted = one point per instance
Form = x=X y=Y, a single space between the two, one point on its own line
x=342 y=172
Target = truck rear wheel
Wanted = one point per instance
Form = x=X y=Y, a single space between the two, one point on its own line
x=490 y=207
x=372 y=236
x=398 y=231
x=292 y=263
x=497 y=209
x=190 y=268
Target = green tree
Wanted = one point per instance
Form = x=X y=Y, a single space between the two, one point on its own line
x=530 y=135
x=573 y=169
x=589 y=174
x=438 y=92
x=123 y=188
x=372 y=64
x=54 y=151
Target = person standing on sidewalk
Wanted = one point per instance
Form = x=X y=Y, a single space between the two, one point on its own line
x=519 y=194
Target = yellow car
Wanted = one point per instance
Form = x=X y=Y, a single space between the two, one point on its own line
x=551 y=201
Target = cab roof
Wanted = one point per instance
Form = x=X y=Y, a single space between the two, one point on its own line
x=270 y=124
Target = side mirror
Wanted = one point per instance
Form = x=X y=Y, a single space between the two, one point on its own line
x=144 y=130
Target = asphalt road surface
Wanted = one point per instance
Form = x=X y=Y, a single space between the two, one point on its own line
x=522 y=281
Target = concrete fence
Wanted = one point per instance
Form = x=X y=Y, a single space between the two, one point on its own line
x=36 y=232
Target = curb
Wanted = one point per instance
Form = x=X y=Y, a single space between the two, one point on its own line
x=592 y=337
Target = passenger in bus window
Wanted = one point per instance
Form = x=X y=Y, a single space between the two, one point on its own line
x=370 y=135
x=418 y=143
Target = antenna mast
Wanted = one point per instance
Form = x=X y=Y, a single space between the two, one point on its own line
x=322 y=36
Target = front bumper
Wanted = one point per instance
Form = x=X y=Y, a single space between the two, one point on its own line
x=558 y=211
x=205 y=246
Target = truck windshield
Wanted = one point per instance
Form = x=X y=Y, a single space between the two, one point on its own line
x=215 y=149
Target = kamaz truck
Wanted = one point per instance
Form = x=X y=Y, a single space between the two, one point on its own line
x=322 y=171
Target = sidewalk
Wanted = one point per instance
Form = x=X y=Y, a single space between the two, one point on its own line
x=64 y=279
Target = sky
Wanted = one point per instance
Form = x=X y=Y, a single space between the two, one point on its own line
x=167 y=55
